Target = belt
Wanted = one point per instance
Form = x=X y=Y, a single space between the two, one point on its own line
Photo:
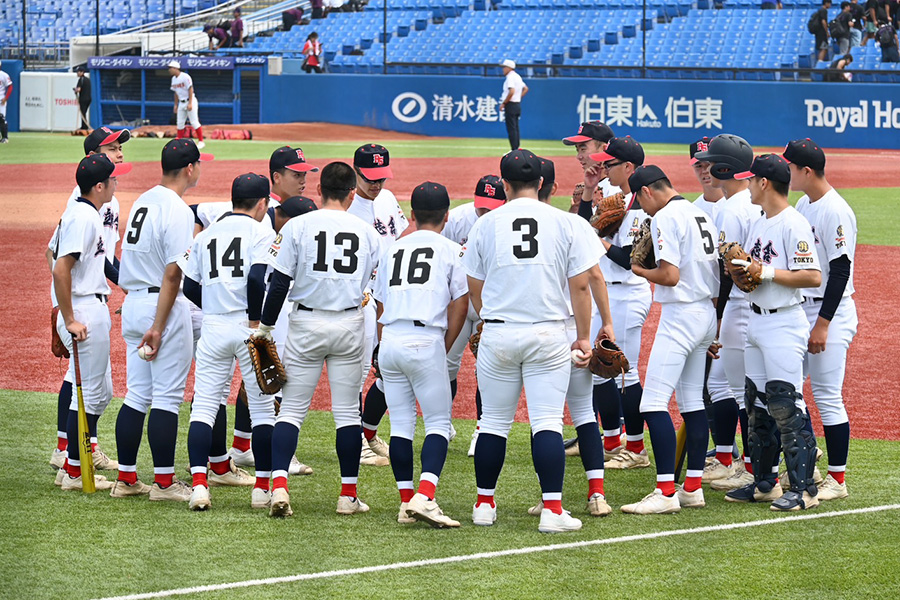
x=813 y=299
x=102 y=298
x=153 y=290
x=615 y=282
x=418 y=323
x=301 y=307
x=762 y=311
x=494 y=321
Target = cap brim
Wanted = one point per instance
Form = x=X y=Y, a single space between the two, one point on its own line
x=576 y=139
x=744 y=175
x=489 y=203
x=302 y=167
x=694 y=160
x=206 y=157
x=121 y=169
x=121 y=136
x=602 y=157
x=377 y=172
x=703 y=156
x=786 y=159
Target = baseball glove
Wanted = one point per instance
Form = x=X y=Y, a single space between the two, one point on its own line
x=607 y=360
x=270 y=373
x=375 y=362
x=476 y=339
x=57 y=347
x=736 y=260
x=242 y=398
x=609 y=215
x=642 y=247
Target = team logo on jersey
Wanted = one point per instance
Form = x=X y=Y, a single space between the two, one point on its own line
x=101 y=248
x=764 y=254
x=109 y=220
x=802 y=247
x=491 y=190
x=840 y=241
x=187 y=254
x=378 y=159
x=276 y=245
x=721 y=237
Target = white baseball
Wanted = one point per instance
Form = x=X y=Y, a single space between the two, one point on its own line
x=578 y=355
x=142 y=352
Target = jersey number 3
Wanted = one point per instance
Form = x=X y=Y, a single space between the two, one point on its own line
x=529 y=246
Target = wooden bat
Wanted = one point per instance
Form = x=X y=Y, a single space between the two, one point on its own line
x=84 y=434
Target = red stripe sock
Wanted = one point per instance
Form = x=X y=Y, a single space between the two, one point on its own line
x=748 y=466
x=692 y=484
x=180 y=134
x=667 y=487
x=279 y=483
x=612 y=442
x=485 y=500
x=242 y=444
x=838 y=476
x=554 y=506
x=724 y=458
x=199 y=131
x=369 y=433
x=636 y=447
x=129 y=477
x=199 y=479
x=262 y=483
x=73 y=471
x=595 y=486
x=61 y=444
x=406 y=495
x=427 y=489
x=348 y=489
x=93 y=446
x=164 y=480
x=221 y=467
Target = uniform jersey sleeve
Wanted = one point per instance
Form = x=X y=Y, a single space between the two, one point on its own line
x=666 y=237
x=582 y=255
x=800 y=246
x=379 y=289
x=591 y=239
x=730 y=228
x=75 y=237
x=262 y=242
x=179 y=234
x=459 y=285
x=188 y=82
x=284 y=250
x=471 y=254
x=189 y=262
x=836 y=225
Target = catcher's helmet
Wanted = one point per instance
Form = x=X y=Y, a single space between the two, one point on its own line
x=729 y=154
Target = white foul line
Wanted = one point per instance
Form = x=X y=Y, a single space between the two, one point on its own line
x=497 y=554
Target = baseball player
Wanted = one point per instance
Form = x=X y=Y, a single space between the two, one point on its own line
x=686 y=278
x=422 y=301
x=711 y=194
x=377 y=206
x=785 y=261
x=489 y=195
x=726 y=155
x=109 y=143
x=158 y=231
x=186 y=106
x=330 y=255
x=511 y=253
x=228 y=263
x=829 y=307
x=82 y=291
x=630 y=299
x=6 y=88
x=591 y=138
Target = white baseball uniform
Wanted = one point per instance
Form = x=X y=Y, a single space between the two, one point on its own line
x=418 y=277
x=182 y=85
x=459 y=222
x=834 y=227
x=710 y=208
x=5 y=83
x=777 y=331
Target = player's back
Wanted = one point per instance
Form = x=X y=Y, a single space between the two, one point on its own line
x=834 y=226
x=686 y=239
x=459 y=222
x=159 y=230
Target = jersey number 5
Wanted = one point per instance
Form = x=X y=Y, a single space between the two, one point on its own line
x=529 y=246
x=418 y=271
x=349 y=242
x=231 y=258
x=708 y=246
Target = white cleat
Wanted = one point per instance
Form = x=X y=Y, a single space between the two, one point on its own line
x=348 y=505
x=535 y=511
x=715 y=470
x=379 y=447
x=122 y=489
x=573 y=450
x=402 y=517
x=71 y=484
x=832 y=490
x=609 y=454
x=654 y=503
x=558 y=523
x=60 y=474
x=598 y=506
x=103 y=462
x=484 y=514
x=421 y=508
x=201 y=145
x=243 y=458
x=690 y=499
x=471 y=451
x=298 y=468
x=626 y=459
x=199 y=498
x=179 y=491
x=368 y=457
x=260 y=498
x=281 y=504
x=57 y=458
x=234 y=477
x=740 y=478
x=452 y=432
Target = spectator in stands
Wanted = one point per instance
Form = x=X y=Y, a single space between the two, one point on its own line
x=317 y=12
x=83 y=95
x=876 y=12
x=818 y=26
x=514 y=89
x=771 y=5
x=237 y=29
x=837 y=68
x=886 y=36
x=859 y=18
x=291 y=17
x=840 y=28
x=312 y=50
x=218 y=37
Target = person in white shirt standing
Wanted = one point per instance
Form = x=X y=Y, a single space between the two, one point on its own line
x=186 y=106
x=686 y=278
x=79 y=256
x=783 y=261
x=829 y=308
x=518 y=261
x=330 y=255
x=707 y=201
x=422 y=298
x=592 y=137
x=6 y=88
x=514 y=89
x=160 y=228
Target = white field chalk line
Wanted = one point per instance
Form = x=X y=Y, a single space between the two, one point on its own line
x=497 y=554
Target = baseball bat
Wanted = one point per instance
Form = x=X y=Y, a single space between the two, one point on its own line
x=680 y=450
x=84 y=433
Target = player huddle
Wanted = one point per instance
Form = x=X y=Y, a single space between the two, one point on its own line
x=531 y=289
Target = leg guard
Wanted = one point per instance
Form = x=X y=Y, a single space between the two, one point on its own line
x=762 y=438
x=798 y=443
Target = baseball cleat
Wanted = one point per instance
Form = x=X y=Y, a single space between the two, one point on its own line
x=122 y=489
x=609 y=454
x=199 y=498
x=402 y=517
x=59 y=477
x=368 y=457
x=103 y=462
x=281 y=503
x=484 y=514
x=786 y=478
x=764 y=491
x=832 y=490
x=377 y=445
x=597 y=505
x=471 y=451
x=234 y=477
x=715 y=470
x=626 y=459
x=654 y=503
x=201 y=145
x=558 y=523
x=572 y=448
x=452 y=433
x=690 y=499
x=70 y=484
x=792 y=500
x=179 y=491
x=535 y=511
x=57 y=458
x=739 y=478
x=348 y=505
x=298 y=468
x=4 y=140
x=421 y=508
x=260 y=498
x=242 y=458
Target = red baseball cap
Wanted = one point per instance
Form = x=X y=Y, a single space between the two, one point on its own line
x=489 y=193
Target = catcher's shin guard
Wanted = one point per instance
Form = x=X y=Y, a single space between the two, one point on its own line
x=798 y=443
x=762 y=438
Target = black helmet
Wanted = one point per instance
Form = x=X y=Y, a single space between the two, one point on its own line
x=729 y=154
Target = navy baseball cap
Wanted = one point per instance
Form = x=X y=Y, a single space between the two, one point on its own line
x=178 y=154
x=645 y=175
x=429 y=196
x=290 y=158
x=548 y=172
x=96 y=168
x=298 y=205
x=805 y=153
x=770 y=166
x=623 y=148
x=249 y=185
x=520 y=165
x=590 y=130
x=103 y=136
x=701 y=145
x=489 y=192
x=373 y=161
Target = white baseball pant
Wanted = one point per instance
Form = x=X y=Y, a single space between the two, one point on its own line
x=454 y=356
x=183 y=114
x=776 y=345
x=726 y=375
x=93 y=354
x=826 y=369
x=580 y=393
